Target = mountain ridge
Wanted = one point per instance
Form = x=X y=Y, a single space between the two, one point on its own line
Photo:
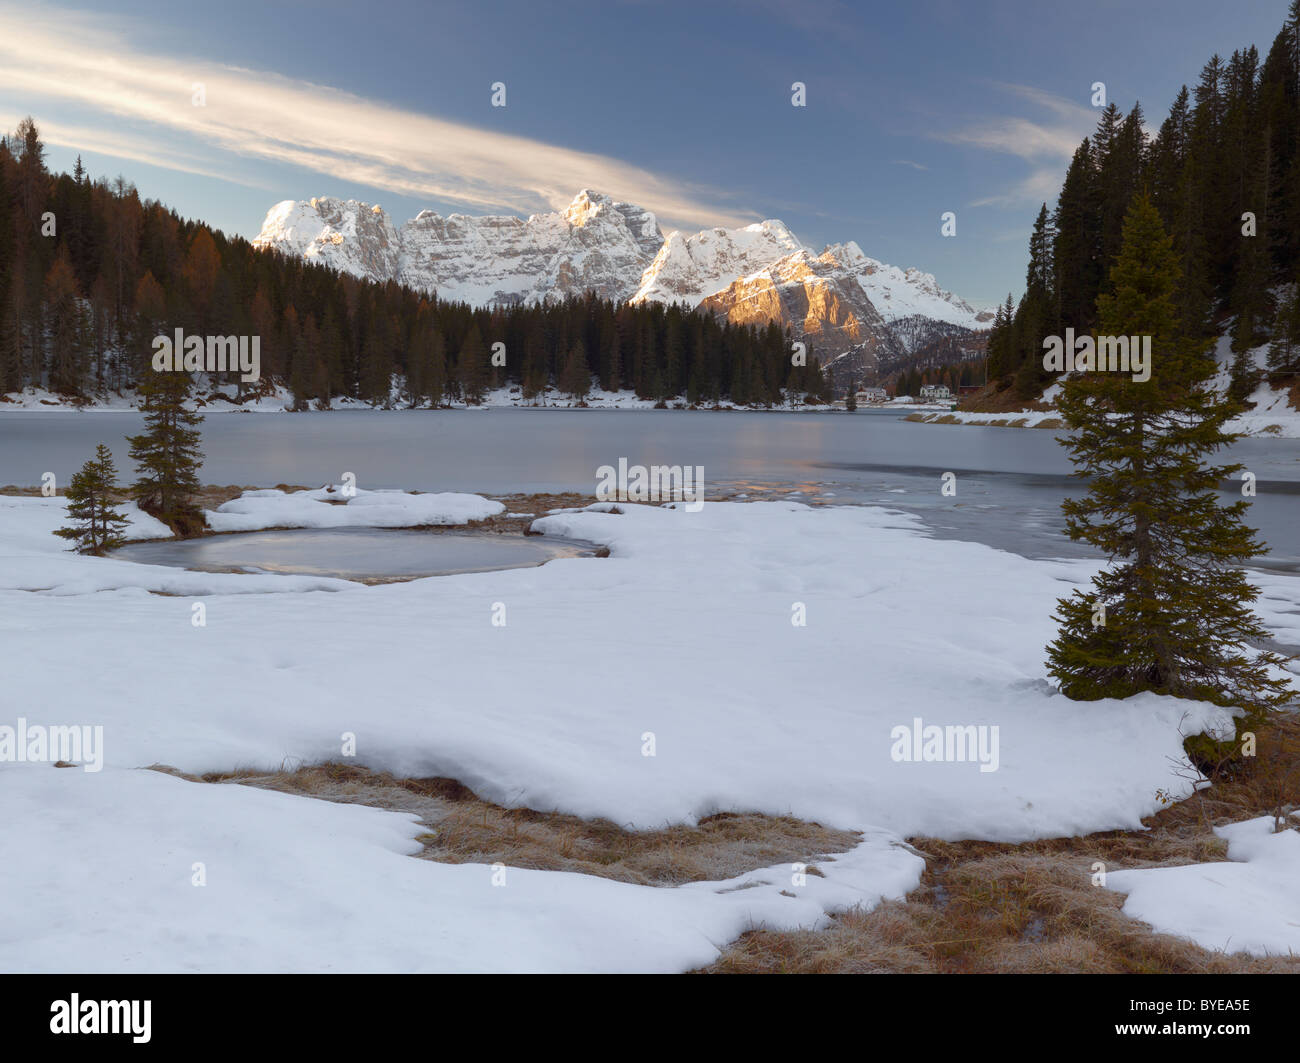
x=839 y=301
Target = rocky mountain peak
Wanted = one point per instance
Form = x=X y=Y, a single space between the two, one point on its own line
x=844 y=303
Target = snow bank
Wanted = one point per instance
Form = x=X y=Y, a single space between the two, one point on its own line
x=36 y=560
x=684 y=632
x=301 y=885
x=1251 y=904
x=327 y=507
x=1021 y=419
x=680 y=644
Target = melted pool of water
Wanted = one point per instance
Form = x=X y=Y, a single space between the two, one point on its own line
x=353 y=553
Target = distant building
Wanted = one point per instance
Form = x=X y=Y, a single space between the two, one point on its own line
x=873 y=395
x=935 y=393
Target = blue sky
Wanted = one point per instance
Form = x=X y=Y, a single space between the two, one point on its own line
x=913 y=108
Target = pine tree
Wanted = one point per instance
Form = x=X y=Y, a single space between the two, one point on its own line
x=1284 y=351
x=1171 y=612
x=471 y=367
x=1245 y=375
x=576 y=380
x=1078 y=240
x=851 y=399
x=434 y=373
x=98 y=526
x=167 y=453
x=68 y=328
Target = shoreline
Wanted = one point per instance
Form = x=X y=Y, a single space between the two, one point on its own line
x=40 y=401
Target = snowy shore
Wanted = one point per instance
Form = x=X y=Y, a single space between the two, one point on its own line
x=685 y=642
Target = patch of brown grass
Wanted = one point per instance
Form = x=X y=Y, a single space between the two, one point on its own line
x=1015 y=422
x=982 y=907
x=463 y=828
x=985 y=907
x=990 y=400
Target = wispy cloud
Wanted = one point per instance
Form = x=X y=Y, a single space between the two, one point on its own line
x=909 y=162
x=1046 y=144
x=80 y=61
x=121 y=145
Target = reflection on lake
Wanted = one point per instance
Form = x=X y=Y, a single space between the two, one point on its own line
x=1010 y=481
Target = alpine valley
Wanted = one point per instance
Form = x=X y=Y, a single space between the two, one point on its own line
x=863 y=319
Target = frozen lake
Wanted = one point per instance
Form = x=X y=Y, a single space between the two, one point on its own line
x=1010 y=482
x=351 y=553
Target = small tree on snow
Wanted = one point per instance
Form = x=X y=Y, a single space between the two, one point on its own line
x=1177 y=612
x=97 y=525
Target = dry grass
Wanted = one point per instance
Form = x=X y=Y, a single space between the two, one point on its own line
x=463 y=828
x=981 y=906
x=991 y=400
x=984 y=907
x=1016 y=422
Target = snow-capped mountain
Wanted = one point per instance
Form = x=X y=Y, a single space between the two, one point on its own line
x=815 y=295
x=595 y=244
x=844 y=304
x=860 y=315
x=688 y=269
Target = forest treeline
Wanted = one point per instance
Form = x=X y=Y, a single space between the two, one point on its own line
x=1223 y=171
x=90 y=273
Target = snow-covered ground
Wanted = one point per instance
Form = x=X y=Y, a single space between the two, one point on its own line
x=680 y=644
x=1249 y=904
x=350 y=507
x=1024 y=419
x=105 y=869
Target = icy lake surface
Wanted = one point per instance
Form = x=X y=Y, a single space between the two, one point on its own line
x=1010 y=482
x=350 y=553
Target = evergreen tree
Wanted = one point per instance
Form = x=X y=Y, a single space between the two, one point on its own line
x=68 y=328
x=1284 y=351
x=98 y=526
x=1077 y=242
x=471 y=367
x=167 y=453
x=1245 y=374
x=576 y=378
x=1171 y=612
x=851 y=398
x=434 y=373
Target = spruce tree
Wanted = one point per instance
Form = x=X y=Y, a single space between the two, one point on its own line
x=577 y=376
x=851 y=399
x=1284 y=350
x=1171 y=612
x=471 y=367
x=434 y=372
x=1245 y=374
x=167 y=453
x=97 y=526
